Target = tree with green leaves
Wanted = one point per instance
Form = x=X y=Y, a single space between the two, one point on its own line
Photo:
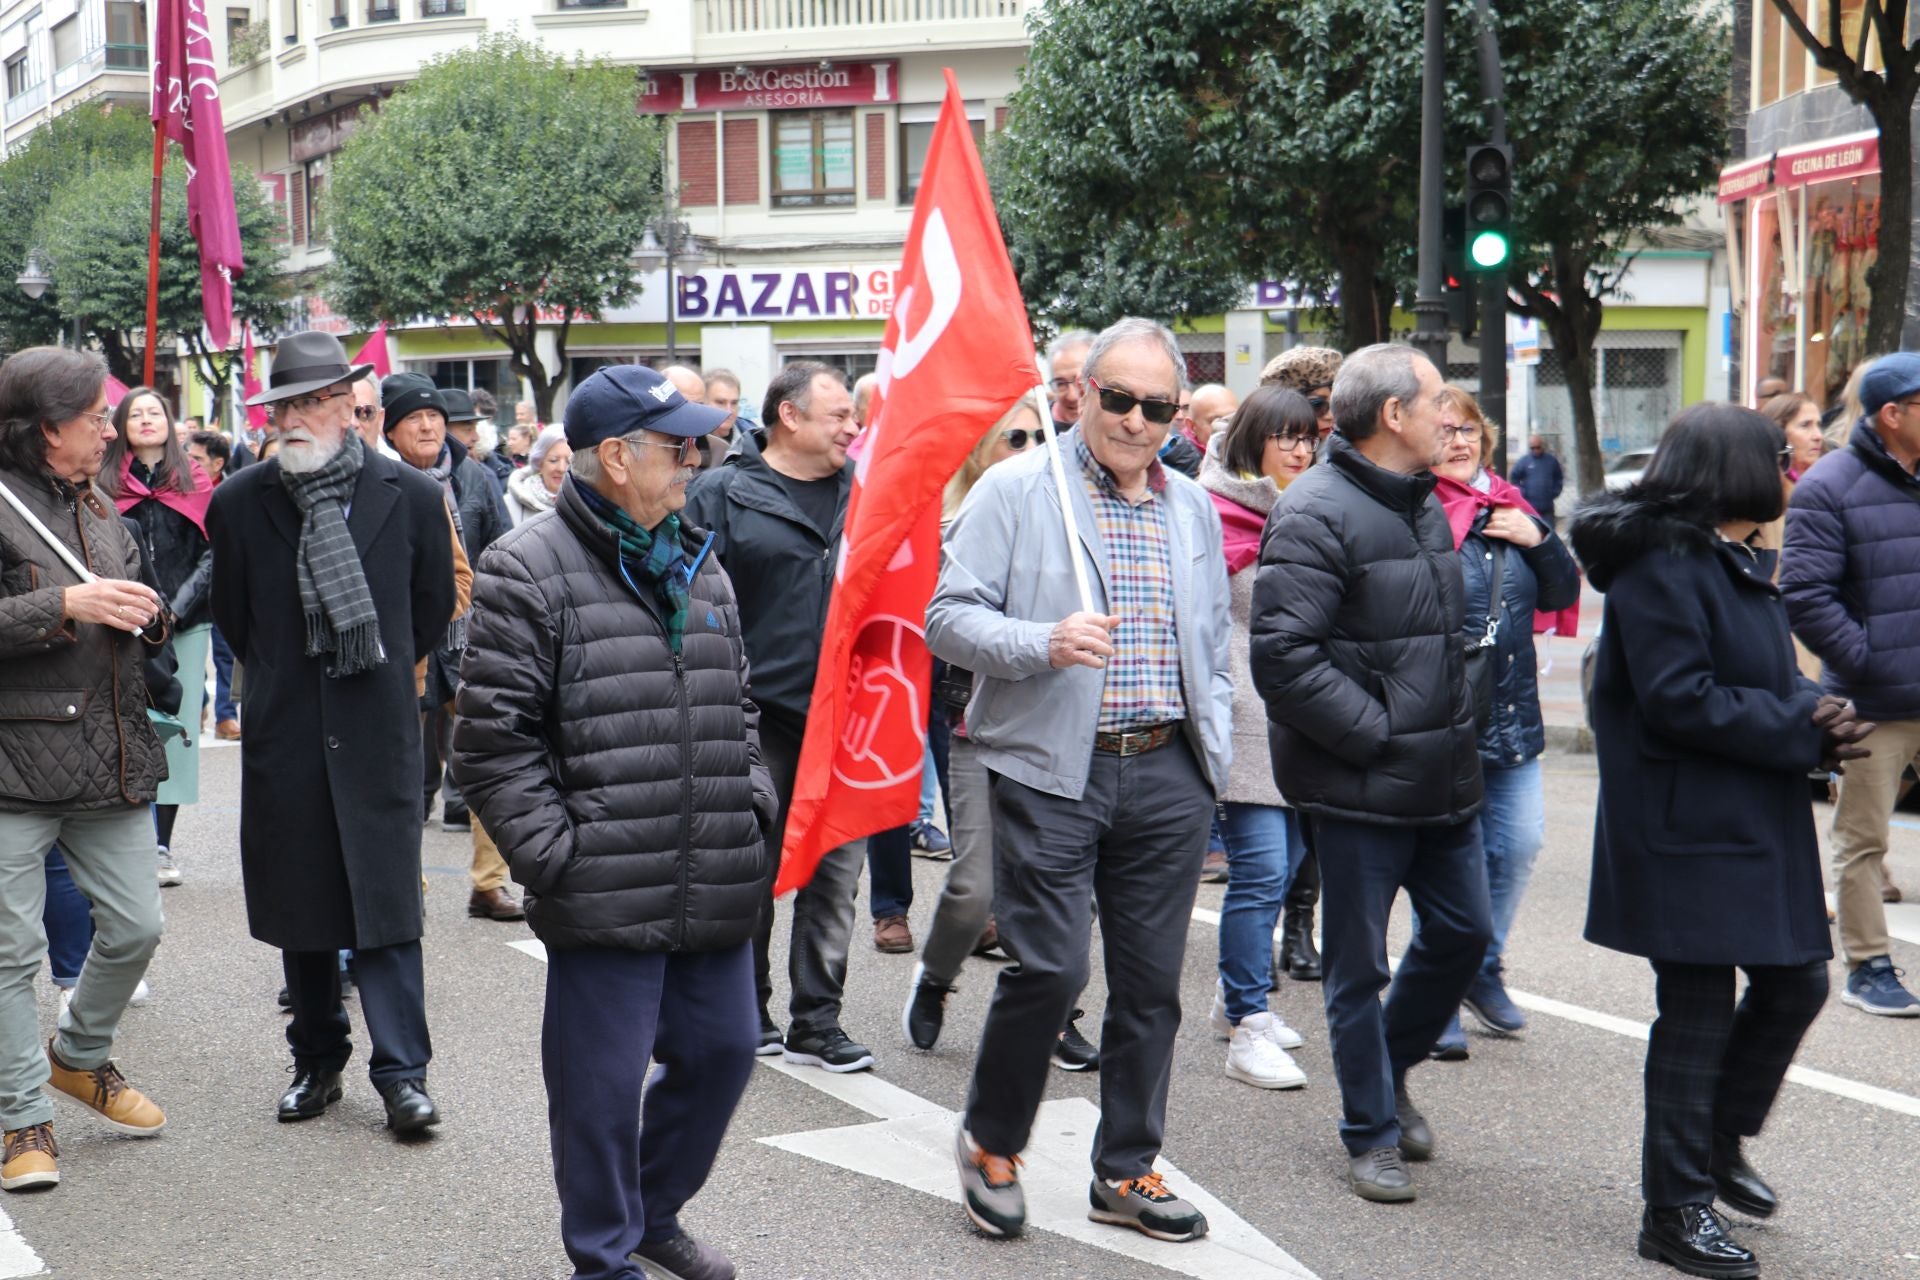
x=503 y=180
x=1160 y=158
x=1888 y=93
x=93 y=239
x=1618 y=119
x=65 y=152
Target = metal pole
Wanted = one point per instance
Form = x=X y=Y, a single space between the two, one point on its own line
x=1430 y=303
x=1493 y=289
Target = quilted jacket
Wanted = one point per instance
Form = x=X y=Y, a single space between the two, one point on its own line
x=74 y=733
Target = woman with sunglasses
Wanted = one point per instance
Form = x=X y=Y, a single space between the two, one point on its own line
x=1511 y=563
x=1269 y=445
x=164 y=493
x=1704 y=853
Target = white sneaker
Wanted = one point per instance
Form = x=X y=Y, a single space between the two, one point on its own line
x=168 y=868
x=1283 y=1035
x=1253 y=1057
x=141 y=994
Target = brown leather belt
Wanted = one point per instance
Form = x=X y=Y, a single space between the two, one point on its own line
x=1134 y=742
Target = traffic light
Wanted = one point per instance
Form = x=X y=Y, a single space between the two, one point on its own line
x=1461 y=311
x=1489 y=206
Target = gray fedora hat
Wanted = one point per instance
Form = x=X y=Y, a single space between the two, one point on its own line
x=306 y=362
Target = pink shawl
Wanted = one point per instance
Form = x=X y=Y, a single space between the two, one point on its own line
x=1463 y=502
x=191 y=505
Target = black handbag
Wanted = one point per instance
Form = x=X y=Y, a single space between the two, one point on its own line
x=1482 y=653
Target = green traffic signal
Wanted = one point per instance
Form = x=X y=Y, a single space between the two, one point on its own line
x=1489 y=250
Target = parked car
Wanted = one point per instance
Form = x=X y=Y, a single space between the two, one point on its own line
x=1627 y=469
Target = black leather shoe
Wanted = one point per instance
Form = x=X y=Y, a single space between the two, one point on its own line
x=1416 y=1138
x=312 y=1092
x=1297 y=954
x=409 y=1109
x=1739 y=1186
x=1693 y=1240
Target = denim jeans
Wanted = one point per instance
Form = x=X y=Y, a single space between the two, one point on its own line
x=890 y=872
x=1513 y=826
x=1263 y=843
x=224 y=707
x=68 y=920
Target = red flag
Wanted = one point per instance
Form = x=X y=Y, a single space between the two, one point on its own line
x=186 y=108
x=957 y=356
x=374 y=352
x=250 y=382
x=116 y=391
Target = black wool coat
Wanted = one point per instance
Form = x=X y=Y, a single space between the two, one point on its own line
x=1704 y=849
x=623 y=782
x=1357 y=648
x=330 y=768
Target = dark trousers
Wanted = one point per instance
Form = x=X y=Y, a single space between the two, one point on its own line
x=1362 y=866
x=822 y=911
x=1133 y=843
x=436 y=746
x=890 y=872
x=625 y=1169
x=68 y=920
x=224 y=707
x=1713 y=1067
x=1304 y=893
x=393 y=1000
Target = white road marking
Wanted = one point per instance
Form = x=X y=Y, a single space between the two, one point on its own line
x=17 y=1257
x=1826 y=1082
x=912 y=1145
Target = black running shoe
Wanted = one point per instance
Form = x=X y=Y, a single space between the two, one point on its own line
x=1073 y=1053
x=831 y=1050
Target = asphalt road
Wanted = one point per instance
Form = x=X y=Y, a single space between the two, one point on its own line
x=1536 y=1175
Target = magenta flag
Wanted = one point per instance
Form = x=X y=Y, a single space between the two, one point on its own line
x=374 y=352
x=250 y=382
x=186 y=107
x=116 y=391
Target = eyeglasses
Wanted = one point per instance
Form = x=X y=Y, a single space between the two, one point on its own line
x=312 y=403
x=101 y=420
x=1466 y=433
x=1120 y=404
x=1016 y=437
x=1289 y=441
x=687 y=448
x=1786 y=458
x=366 y=412
x=1060 y=385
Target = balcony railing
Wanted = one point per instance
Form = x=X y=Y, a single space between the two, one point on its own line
x=31 y=98
x=443 y=8
x=738 y=17
x=383 y=11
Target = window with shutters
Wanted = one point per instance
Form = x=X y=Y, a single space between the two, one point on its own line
x=316 y=172
x=812 y=158
x=66 y=42
x=126 y=35
x=297 y=205
x=916 y=135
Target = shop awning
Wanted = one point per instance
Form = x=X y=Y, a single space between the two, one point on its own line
x=1829 y=160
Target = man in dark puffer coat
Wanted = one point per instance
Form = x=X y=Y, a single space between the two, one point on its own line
x=1851 y=577
x=1357 y=647
x=606 y=739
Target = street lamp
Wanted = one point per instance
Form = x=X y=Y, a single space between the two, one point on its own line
x=669 y=244
x=34 y=282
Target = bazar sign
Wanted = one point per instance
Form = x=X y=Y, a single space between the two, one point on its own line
x=789 y=293
x=800 y=84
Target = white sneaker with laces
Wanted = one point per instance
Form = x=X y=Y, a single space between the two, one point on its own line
x=1283 y=1035
x=141 y=994
x=168 y=868
x=1254 y=1058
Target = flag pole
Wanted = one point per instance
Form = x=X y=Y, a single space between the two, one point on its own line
x=1072 y=522
x=153 y=254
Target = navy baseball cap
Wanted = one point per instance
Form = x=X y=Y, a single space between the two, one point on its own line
x=1891 y=378
x=621 y=399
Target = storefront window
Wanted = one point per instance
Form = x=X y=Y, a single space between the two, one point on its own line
x=1843 y=241
x=812 y=158
x=1775 y=301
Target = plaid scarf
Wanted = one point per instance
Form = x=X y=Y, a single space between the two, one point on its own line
x=657 y=556
x=341 y=620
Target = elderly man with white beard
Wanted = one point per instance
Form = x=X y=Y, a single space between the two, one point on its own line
x=333 y=577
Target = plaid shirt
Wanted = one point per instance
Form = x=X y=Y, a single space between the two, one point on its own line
x=1143 y=676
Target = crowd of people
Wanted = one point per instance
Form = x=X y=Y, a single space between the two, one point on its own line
x=1286 y=641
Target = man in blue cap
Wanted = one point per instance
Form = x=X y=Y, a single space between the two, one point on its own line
x=1851 y=577
x=606 y=739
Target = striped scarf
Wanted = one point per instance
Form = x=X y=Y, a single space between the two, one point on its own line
x=341 y=620
x=656 y=555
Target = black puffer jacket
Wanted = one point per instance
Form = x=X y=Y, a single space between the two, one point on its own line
x=1357 y=648
x=74 y=733
x=623 y=785
x=780 y=564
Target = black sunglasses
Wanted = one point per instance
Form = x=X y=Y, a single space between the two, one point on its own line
x=1016 y=437
x=1120 y=404
x=1317 y=403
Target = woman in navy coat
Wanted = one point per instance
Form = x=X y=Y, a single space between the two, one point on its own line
x=1704 y=854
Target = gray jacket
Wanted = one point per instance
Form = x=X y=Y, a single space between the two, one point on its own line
x=1006 y=580
x=1251 y=781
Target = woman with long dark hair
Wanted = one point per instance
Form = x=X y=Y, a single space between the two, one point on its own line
x=1704 y=854
x=165 y=493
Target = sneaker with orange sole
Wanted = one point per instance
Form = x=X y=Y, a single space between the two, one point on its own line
x=990 y=1188
x=30 y=1158
x=1146 y=1205
x=105 y=1092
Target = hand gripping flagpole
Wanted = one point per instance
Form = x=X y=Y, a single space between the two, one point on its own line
x=1066 y=500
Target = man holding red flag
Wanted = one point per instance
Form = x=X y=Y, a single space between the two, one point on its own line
x=1105 y=727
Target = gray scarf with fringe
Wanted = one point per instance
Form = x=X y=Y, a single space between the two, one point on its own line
x=341 y=621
